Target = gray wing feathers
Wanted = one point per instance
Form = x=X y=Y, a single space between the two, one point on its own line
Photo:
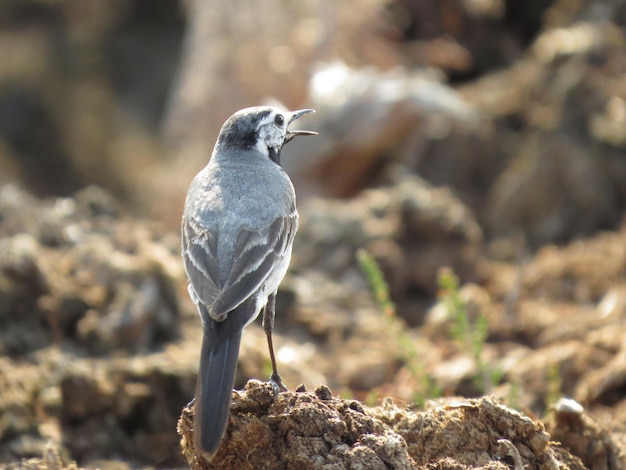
x=256 y=254
x=199 y=254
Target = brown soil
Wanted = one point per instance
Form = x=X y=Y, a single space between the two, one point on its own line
x=103 y=355
x=316 y=430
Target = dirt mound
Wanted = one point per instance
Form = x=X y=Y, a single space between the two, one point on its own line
x=316 y=430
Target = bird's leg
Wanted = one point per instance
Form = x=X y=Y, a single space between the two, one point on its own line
x=268 y=325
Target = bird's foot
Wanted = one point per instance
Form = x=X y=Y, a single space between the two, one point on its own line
x=277 y=384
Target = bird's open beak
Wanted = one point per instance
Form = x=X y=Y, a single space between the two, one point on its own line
x=296 y=115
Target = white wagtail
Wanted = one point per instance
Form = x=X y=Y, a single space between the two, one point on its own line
x=238 y=227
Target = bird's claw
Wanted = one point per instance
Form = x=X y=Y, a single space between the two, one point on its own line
x=277 y=384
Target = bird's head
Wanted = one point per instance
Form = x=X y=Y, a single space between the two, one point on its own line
x=264 y=128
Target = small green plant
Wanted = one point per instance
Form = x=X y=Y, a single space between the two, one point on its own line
x=470 y=335
x=376 y=280
x=408 y=352
x=513 y=396
x=372 y=397
x=553 y=394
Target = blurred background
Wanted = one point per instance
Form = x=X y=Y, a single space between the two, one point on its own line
x=517 y=106
x=487 y=136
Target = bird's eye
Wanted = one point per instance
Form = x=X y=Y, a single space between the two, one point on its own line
x=279 y=120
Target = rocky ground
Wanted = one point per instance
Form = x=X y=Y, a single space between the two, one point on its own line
x=457 y=294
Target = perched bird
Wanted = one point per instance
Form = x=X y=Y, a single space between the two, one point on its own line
x=238 y=227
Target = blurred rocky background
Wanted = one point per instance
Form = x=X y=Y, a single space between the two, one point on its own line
x=486 y=136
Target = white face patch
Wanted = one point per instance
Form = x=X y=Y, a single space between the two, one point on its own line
x=272 y=131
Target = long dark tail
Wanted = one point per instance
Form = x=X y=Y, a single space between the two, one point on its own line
x=216 y=378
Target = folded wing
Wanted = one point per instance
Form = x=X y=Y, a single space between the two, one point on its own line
x=256 y=255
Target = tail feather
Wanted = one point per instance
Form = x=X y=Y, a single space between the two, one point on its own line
x=216 y=378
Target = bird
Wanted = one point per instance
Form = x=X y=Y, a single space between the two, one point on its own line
x=238 y=227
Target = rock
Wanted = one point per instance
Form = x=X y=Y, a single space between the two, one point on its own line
x=584 y=437
x=366 y=117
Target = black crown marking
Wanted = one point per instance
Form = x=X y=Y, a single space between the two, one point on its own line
x=241 y=130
